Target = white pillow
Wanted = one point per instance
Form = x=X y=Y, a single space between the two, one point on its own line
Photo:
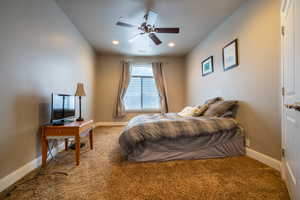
x=192 y=111
x=186 y=112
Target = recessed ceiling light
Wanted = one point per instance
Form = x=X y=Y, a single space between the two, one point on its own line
x=115 y=42
x=171 y=44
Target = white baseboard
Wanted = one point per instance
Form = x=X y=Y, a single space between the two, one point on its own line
x=104 y=124
x=13 y=177
x=271 y=162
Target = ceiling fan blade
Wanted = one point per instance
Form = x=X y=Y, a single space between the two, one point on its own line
x=123 y=22
x=119 y=23
x=155 y=39
x=167 y=30
x=151 y=17
x=135 y=37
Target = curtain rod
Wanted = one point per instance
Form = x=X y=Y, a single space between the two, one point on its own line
x=143 y=58
x=143 y=62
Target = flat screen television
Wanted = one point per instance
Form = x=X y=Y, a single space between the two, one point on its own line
x=63 y=108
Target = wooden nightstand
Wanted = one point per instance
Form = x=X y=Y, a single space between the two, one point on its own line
x=73 y=129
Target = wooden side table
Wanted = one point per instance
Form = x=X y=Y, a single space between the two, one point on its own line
x=73 y=129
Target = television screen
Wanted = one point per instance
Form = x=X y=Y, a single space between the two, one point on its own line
x=63 y=106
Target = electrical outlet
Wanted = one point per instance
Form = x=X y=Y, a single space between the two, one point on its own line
x=247 y=142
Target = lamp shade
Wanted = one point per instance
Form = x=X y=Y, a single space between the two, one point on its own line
x=80 y=90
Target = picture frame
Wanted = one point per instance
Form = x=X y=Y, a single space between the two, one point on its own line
x=230 y=55
x=207 y=66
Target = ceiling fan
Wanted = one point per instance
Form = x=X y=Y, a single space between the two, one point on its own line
x=148 y=27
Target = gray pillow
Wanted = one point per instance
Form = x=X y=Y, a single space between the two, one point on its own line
x=211 y=101
x=214 y=100
x=219 y=108
x=231 y=113
x=228 y=114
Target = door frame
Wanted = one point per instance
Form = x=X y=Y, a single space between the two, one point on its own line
x=284 y=167
x=284 y=5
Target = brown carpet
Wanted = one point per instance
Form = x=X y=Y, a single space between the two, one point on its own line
x=104 y=174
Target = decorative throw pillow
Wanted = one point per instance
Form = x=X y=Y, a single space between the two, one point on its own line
x=193 y=111
x=200 y=110
x=219 y=108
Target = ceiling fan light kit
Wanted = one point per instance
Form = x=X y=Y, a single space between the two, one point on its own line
x=115 y=42
x=171 y=44
x=148 y=27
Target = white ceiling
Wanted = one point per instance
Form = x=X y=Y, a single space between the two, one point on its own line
x=96 y=20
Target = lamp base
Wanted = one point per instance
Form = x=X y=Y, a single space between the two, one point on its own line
x=80 y=119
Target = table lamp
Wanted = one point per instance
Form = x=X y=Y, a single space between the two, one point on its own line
x=80 y=93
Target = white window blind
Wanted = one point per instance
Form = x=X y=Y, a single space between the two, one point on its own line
x=142 y=93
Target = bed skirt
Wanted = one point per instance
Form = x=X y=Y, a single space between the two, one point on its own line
x=218 y=145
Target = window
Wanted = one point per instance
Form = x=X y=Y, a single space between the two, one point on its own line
x=142 y=94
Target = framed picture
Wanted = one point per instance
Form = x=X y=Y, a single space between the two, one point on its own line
x=208 y=66
x=230 y=55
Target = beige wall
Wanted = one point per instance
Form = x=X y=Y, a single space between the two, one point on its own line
x=40 y=52
x=108 y=73
x=255 y=82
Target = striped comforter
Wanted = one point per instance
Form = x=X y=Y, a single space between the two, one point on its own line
x=153 y=127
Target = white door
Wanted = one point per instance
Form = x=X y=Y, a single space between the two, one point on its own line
x=291 y=98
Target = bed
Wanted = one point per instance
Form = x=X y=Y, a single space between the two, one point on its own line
x=164 y=137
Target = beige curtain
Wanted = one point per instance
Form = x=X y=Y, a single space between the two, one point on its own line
x=160 y=84
x=124 y=82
